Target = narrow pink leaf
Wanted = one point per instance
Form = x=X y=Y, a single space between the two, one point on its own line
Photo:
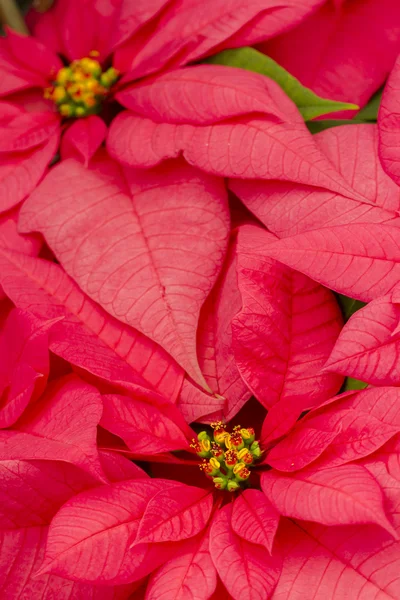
x=368 y=346
x=174 y=514
x=255 y=519
x=24 y=363
x=343 y=495
x=214 y=340
x=83 y=138
x=277 y=339
x=288 y=209
x=31 y=492
x=300 y=448
x=191 y=575
x=145 y=429
x=149 y=279
x=21 y=553
x=359 y=260
x=86 y=336
x=62 y=426
x=389 y=125
x=247 y=570
x=89 y=538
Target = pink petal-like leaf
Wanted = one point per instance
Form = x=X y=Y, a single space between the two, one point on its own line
x=221 y=93
x=28 y=130
x=62 y=426
x=300 y=448
x=10 y=238
x=20 y=172
x=288 y=209
x=33 y=55
x=231 y=148
x=145 y=429
x=31 y=492
x=277 y=341
x=359 y=260
x=335 y=45
x=255 y=519
x=280 y=419
x=24 y=363
x=185 y=31
x=362 y=422
x=128 y=263
x=191 y=575
x=368 y=347
x=247 y=570
x=195 y=404
x=344 y=495
x=214 y=340
x=389 y=125
x=174 y=514
x=118 y=468
x=21 y=553
x=89 y=538
x=86 y=336
x=358 y=562
x=83 y=138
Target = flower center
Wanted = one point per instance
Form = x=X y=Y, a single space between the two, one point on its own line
x=227 y=457
x=79 y=89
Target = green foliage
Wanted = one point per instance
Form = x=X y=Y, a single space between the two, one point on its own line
x=309 y=104
x=349 y=306
x=353 y=384
x=370 y=112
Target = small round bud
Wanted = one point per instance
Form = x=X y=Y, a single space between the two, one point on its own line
x=220 y=482
x=236 y=441
x=232 y=486
x=248 y=435
x=59 y=94
x=211 y=467
x=255 y=450
x=244 y=455
x=231 y=459
x=241 y=472
x=217 y=451
x=63 y=75
x=66 y=110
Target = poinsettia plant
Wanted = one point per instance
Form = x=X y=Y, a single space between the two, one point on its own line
x=199 y=311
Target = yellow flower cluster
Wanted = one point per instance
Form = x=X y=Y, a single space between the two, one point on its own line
x=79 y=89
x=227 y=457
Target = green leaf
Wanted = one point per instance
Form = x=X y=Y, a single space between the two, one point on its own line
x=353 y=384
x=370 y=111
x=309 y=104
x=349 y=306
x=317 y=126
